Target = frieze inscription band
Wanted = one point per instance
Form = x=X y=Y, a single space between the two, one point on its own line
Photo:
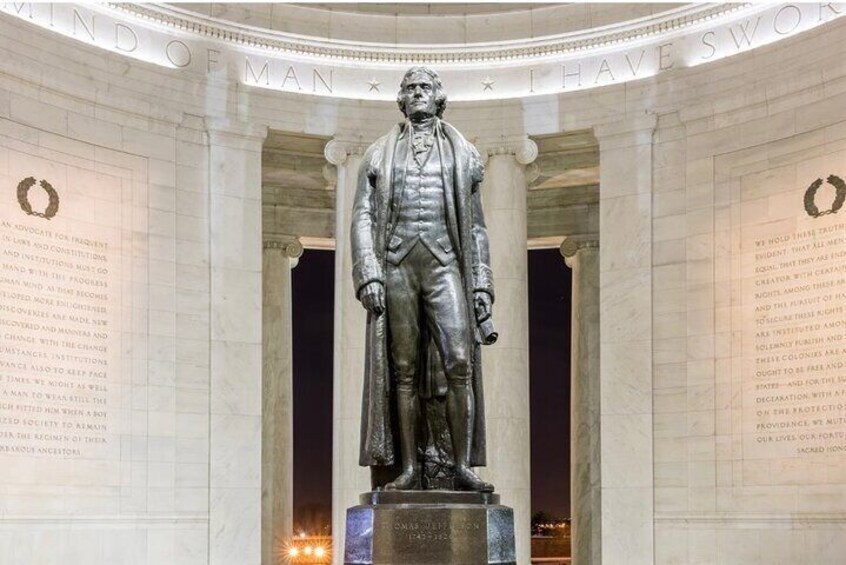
x=687 y=36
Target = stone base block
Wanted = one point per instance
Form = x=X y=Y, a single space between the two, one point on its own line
x=429 y=528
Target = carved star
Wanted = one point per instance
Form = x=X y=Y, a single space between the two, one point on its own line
x=487 y=83
x=374 y=85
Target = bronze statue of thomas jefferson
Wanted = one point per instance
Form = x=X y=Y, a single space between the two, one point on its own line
x=421 y=269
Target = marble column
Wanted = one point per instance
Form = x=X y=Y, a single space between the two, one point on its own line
x=235 y=275
x=348 y=479
x=582 y=256
x=506 y=363
x=277 y=437
x=625 y=296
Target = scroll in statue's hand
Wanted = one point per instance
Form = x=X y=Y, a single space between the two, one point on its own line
x=373 y=298
x=482 y=304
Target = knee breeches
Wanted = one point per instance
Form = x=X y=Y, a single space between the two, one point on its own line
x=420 y=290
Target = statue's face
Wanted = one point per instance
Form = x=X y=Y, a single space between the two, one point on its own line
x=419 y=97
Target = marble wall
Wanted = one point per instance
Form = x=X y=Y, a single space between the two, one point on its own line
x=748 y=374
x=105 y=361
x=697 y=166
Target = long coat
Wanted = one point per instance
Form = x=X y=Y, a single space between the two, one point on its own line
x=372 y=211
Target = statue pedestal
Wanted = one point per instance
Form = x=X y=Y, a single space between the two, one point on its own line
x=429 y=528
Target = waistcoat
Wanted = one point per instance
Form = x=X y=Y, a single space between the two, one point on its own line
x=422 y=215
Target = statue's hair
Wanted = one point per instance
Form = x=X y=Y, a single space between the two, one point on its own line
x=440 y=95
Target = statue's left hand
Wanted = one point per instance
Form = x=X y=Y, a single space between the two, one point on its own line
x=482 y=304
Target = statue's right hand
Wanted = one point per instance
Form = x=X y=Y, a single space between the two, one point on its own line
x=373 y=297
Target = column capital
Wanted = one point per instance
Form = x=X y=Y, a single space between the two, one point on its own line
x=572 y=244
x=525 y=150
x=289 y=245
x=338 y=149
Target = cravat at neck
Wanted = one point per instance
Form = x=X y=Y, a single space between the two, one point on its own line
x=422 y=137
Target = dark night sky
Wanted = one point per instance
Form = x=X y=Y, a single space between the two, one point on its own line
x=549 y=380
x=313 y=284
x=549 y=358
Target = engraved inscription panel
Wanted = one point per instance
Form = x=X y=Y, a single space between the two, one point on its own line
x=433 y=535
x=62 y=312
x=789 y=324
x=794 y=349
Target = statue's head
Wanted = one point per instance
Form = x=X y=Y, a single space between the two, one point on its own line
x=421 y=93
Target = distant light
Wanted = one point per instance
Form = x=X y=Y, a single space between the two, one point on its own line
x=293 y=552
x=319 y=552
x=302 y=534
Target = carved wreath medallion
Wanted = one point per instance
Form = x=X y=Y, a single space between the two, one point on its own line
x=23 y=198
